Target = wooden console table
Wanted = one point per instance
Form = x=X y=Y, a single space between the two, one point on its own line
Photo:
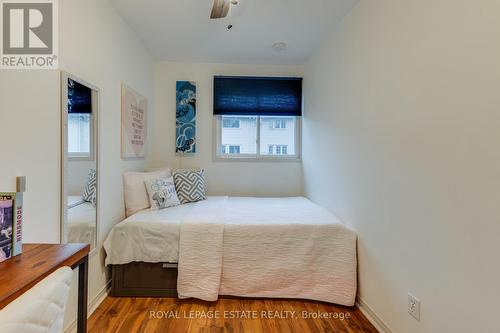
x=22 y=272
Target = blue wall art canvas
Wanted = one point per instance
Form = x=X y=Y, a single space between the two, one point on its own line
x=185 y=124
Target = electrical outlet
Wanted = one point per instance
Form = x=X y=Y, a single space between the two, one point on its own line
x=414 y=306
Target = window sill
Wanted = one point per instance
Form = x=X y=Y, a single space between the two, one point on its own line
x=80 y=158
x=291 y=159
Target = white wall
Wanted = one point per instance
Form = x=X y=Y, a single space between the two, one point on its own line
x=404 y=97
x=234 y=178
x=30 y=131
x=100 y=48
x=97 y=46
x=78 y=175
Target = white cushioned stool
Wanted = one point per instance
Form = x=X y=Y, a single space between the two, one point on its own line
x=40 y=309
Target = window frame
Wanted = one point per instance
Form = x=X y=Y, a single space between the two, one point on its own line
x=257 y=157
x=72 y=156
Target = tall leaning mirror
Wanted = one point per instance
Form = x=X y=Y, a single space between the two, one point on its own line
x=80 y=167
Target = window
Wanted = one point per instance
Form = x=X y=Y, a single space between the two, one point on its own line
x=230 y=149
x=231 y=122
x=255 y=138
x=79 y=135
x=80 y=121
x=257 y=118
x=277 y=123
x=278 y=150
x=241 y=140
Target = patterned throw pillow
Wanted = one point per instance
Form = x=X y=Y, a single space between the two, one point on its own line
x=89 y=193
x=190 y=185
x=161 y=193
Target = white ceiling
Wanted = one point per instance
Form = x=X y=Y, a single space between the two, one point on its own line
x=180 y=30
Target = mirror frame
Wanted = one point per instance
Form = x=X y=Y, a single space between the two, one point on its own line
x=96 y=102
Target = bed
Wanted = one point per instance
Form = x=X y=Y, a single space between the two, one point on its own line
x=81 y=221
x=236 y=246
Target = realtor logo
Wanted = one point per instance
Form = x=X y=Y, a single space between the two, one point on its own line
x=29 y=34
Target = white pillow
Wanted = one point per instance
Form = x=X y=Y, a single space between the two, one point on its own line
x=136 y=197
x=161 y=193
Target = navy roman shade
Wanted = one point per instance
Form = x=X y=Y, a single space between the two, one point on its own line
x=79 y=98
x=264 y=96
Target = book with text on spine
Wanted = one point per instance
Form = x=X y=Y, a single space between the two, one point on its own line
x=11 y=222
x=17 y=232
x=6 y=224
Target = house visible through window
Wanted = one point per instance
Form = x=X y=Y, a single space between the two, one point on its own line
x=230 y=149
x=257 y=117
x=231 y=122
x=79 y=135
x=277 y=123
x=264 y=140
x=278 y=149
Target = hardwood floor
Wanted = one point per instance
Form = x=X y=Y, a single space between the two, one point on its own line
x=226 y=315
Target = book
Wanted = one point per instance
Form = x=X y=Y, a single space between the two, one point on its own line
x=11 y=222
x=17 y=232
x=6 y=224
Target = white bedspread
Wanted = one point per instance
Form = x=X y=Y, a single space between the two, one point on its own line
x=283 y=247
x=149 y=235
x=255 y=247
x=81 y=227
x=201 y=250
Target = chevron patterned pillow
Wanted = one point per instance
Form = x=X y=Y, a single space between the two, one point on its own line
x=89 y=193
x=190 y=185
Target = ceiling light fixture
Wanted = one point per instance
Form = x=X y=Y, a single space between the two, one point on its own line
x=279 y=46
x=220 y=8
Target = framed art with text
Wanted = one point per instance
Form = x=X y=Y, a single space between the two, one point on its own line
x=134 y=108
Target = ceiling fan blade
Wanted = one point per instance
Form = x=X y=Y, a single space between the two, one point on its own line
x=220 y=9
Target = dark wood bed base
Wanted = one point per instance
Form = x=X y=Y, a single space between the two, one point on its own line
x=142 y=279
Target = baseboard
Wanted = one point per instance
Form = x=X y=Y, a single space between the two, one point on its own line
x=92 y=306
x=376 y=321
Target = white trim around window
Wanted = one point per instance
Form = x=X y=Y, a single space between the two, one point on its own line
x=257 y=157
x=84 y=156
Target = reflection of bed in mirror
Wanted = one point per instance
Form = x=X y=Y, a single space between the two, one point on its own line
x=81 y=225
x=80 y=188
